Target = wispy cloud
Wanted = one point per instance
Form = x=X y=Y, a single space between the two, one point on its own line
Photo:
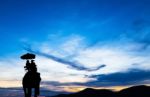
x=132 y=77
x=72 y=64
x=70 y=60
x=117 y=57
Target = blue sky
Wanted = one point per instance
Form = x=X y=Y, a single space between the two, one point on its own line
x=67 y=33
x=96 y=20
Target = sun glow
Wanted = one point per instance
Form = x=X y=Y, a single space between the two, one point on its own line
x=10 y=84
x=80 y=88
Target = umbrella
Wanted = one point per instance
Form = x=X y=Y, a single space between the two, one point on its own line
x=28 y=56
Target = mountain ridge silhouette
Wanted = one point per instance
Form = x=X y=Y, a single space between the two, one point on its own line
x=134 y=91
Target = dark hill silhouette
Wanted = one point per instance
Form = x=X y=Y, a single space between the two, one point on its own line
x=135 y=91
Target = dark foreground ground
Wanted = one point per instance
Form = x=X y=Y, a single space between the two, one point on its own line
x=18 y=92
x=136 y=91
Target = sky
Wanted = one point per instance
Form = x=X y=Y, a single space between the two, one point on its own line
x=78 y=43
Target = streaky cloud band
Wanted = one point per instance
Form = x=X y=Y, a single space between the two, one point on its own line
x=71 y=64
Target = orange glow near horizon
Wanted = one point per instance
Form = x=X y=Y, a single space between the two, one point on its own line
x=10 y=84
x=80 y=88
x=73 y=88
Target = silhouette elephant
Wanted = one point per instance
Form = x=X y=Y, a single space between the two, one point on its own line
x=31 y=79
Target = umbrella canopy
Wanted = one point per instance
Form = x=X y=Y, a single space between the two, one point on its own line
x=28 y=56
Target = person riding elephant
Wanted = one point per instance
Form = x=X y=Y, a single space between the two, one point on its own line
x=31 y=79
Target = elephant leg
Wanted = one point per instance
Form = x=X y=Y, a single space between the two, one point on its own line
x=36 y=91
x=29 y=92
x=25 y=92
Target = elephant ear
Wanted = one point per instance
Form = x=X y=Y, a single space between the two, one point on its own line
x=28 y=56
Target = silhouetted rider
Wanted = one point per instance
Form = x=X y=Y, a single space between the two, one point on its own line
x=31 y=79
